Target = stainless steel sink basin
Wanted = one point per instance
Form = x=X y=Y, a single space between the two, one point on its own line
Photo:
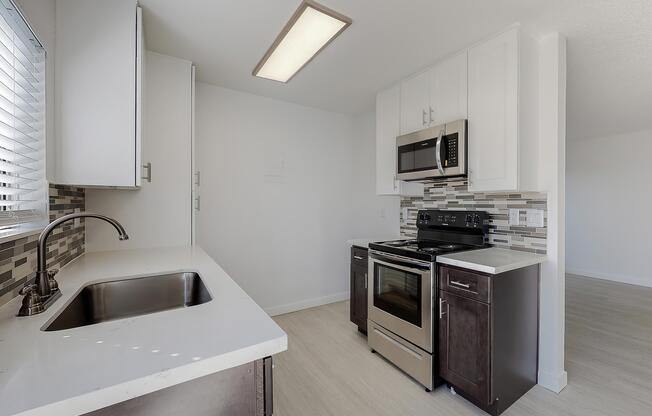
x=118 y=299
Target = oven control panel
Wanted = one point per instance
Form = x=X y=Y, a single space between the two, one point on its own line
x=457 y=219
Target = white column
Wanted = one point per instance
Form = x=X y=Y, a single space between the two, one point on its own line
x=552 y=174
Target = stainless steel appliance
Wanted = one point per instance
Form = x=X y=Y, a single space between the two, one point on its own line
x=435 y=152
x=403 y=288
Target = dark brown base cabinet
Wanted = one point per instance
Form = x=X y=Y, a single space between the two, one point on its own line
x=489 y=334
x=359 y=270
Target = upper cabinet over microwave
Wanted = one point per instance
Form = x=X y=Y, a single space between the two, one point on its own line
x=435 y=96
x=98 y=85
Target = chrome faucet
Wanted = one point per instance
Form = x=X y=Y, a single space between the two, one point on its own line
x=41 y=294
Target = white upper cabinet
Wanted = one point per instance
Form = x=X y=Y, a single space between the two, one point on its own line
x=502 y=109
x=435 y=96
x=387 y=128
x=415 y=103
x=448 y=90
x=97 y=93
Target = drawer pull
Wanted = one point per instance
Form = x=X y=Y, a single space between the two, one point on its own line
x=460 y=284
x=358 y=258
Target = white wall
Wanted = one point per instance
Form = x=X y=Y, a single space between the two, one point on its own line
x=280 y=195
x=41 y=16
x=608 y=200
x=159 y=213
x=375 y=216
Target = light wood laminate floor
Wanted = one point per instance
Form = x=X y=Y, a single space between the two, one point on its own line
x=329 y=370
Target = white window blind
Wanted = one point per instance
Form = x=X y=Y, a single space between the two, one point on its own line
x=23 y=189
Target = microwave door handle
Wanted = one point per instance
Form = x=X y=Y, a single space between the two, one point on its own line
x=438 y=152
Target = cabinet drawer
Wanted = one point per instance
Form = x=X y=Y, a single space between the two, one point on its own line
x=359 y=255
x=465 y=283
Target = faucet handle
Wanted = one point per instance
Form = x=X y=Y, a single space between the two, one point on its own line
x=54 y=286
x=32 y=303
x=28 y=290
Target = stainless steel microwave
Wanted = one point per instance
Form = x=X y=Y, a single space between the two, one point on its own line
x=435 y=152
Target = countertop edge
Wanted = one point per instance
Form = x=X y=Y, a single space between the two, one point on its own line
x=131 y=389
x=484 y=268
x=364 y=242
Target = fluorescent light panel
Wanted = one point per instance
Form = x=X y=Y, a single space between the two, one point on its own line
x=311 y=29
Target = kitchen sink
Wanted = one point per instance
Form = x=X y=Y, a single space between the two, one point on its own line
x=118 y=299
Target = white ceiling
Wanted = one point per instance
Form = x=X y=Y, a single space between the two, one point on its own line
x=609 y=49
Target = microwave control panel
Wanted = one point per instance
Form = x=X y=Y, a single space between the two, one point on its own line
x=451 y=161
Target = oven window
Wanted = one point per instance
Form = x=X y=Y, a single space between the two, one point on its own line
x=398 y=293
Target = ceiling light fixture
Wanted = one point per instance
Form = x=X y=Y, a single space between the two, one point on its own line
x=310 y=29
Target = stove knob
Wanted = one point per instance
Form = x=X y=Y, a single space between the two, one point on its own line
x=476 y=219
x=469 y=218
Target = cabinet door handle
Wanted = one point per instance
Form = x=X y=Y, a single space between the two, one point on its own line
x=441 y=308
x=365 y=280
x=423 y=118
x=460 y=284
x=148 y=168
x=431 y=113
x=197 y=203
x=358 y=258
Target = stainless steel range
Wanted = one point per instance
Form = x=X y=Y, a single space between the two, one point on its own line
x=403 y=289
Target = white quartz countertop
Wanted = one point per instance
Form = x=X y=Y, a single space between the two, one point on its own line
x=364 y=242
x=491 y=260
x=79 y=370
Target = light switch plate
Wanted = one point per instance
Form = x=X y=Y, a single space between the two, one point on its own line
x=514 y=216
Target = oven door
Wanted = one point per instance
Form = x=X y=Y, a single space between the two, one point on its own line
x=400 y=297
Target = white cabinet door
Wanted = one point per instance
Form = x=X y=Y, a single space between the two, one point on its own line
x=95 y=92
x=387 y=128
x=493 y=114
x=415 y=103
x=159 y=214
x=448 y=90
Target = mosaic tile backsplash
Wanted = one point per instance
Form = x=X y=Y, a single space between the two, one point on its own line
x=454 y=195
x=18 y=257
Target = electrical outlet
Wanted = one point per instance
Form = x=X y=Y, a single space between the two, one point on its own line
x=514 y=216
x=404 y=215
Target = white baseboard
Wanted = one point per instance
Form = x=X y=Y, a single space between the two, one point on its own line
x=305 y=304
x=631 y=280
x=553 y=381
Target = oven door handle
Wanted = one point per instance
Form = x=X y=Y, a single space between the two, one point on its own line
x=403 y=265
x=438 y=150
